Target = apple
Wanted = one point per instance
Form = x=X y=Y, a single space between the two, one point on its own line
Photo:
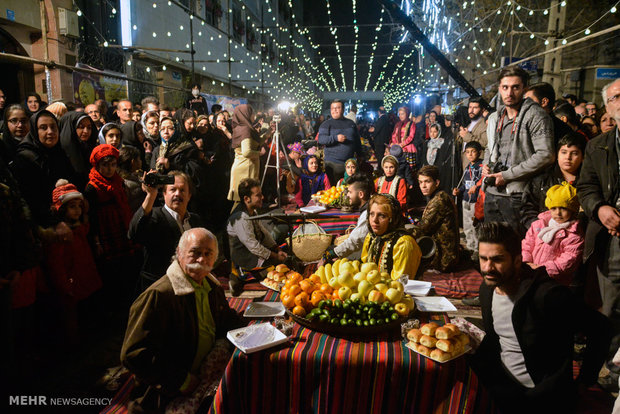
x=401 y=309
x=408 y=300
x=359 y=297
x=359 y=276
x=375 y=296
x=397 y=285
x=364 y=287
x=373 y=276
x=346 y=279
x=344 y=292
x=333 y=282
x=381 y=287
x=393 y=295
x=385 y=276
x=367 y=267
x=346 y=267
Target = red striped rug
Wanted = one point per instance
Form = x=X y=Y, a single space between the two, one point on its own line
x=458 y=285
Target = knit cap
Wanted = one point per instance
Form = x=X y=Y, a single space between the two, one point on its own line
x=396 y=150
x=562 y=195
x=102 y=151
x=64 y=192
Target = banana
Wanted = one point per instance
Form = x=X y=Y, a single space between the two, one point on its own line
x=328 y=271
x=320 y=272
x=336 y=267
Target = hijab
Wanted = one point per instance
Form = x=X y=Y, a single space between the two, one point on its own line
x=130 y=139
x=104 y=130
x=311 y=183
x=346 y=175
x=381 y=247
x=78 y=151
x=242 y=125
x=155 y=140
x=180 y=116
x=10 y=142
x=434 y=144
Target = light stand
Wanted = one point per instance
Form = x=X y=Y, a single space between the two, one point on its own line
x=275 y=142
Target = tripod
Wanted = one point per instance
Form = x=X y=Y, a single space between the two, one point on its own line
x=275 y=142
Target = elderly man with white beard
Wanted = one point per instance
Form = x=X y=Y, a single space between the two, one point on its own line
x=173 y=326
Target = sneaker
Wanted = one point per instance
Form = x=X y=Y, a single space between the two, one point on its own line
x=471 y=301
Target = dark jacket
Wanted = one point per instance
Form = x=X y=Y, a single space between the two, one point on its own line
x=536 y=192
x=162 y=335
x=77 y=151
x=339 y=152
x=473 y=172
x=447 y=160
x=159 y=233
x=198 y=104
x=383 y=132
x=598 y=186
x=545 y=318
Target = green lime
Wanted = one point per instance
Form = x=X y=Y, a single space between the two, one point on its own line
x=344 y=322
x=359 y=322
x=324 y=318
x=334 y=321
x=372 y=322
x=338 y=303
x=394 y=316
x=366 y=322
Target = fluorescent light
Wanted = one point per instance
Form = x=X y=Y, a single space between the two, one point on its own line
x=126 y=38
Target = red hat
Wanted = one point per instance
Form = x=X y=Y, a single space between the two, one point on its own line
x=64 y=192
x=102 y=151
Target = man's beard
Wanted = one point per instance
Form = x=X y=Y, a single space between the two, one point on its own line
x=498 y=281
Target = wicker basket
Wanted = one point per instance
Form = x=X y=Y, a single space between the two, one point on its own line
x=309 y=247
x=347 y=233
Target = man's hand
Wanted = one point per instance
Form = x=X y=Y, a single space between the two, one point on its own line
x=152 y=191
x=282 y=256
x=534 y=266
x=163 y=162
x=472 y=190
x=455 y=191
x=485 y=170
x=462 y=132
x=499 y=179
x=341 y=138
x=610 y=218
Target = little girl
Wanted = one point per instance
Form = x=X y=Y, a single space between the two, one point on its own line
x=556 y=240
x=350 y=169
x=70 y=264
x=391 y=183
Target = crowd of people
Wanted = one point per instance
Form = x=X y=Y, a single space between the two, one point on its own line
x=97 y=200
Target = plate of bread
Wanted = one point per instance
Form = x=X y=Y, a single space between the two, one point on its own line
x=439 y=343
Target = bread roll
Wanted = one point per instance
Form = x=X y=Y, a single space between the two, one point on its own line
x=429 y=328
x=453 y=328
x=440 y=355
x=463 y=338
x=423 y=350
x=282 y=268
x=444 y=333
x=428 y=341
x=446 y=345
x=414 y=335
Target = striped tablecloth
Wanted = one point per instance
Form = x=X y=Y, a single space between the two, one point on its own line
x=334 y=221
x=320 y=373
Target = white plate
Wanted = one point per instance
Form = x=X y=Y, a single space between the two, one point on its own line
x=418 y=287
x=466 y=349
x=256 y=337
x=313 y=209
x=262 y=282
x=434 y=304
x=264 y=310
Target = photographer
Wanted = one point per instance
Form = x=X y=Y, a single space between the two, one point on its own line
x=521 y=140
x=158 y=229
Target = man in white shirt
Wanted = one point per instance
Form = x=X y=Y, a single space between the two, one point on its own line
x=352 y=115
x=530 y=321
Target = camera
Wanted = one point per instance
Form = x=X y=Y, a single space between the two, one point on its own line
x=276 y=118
x=156 y=179
x=495 y=167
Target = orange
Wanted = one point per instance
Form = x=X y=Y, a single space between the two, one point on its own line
x=335 y=295
x=326 y=289
x=294 y=290
x=283 y=290
x=307 y=286
x=288 y=301
x=316 y=279
x=299 y=311
x=296 y=277
x=317 y=296
x=303 y=299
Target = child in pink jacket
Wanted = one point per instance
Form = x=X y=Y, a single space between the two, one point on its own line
x=555 y=240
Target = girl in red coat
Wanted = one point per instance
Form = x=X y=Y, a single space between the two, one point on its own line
x=70 y=265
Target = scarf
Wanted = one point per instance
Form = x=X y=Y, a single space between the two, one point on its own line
x=347 y=176
x=310 y=183
x=381 y=249
x=546 y=234
x=113 y=186
x=104 y=130
x=433 y=146
x=153 y=138
x=242 y=125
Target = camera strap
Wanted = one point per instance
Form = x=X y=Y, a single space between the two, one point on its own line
x=500 y=126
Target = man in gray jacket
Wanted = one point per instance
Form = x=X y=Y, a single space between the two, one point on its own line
x=520 y=146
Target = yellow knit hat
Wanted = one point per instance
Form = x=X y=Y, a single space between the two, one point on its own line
x=562 y=195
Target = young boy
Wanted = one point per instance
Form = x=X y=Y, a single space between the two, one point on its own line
x=468 y=190
x=571 y=148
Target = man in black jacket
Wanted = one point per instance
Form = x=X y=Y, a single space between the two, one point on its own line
x=382 y=133
x=159 y=229
x=598 y=190
x=526 y=356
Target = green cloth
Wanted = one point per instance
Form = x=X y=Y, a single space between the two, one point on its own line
x=206 y=324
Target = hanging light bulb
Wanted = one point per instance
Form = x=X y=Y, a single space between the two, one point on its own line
x=79 y=12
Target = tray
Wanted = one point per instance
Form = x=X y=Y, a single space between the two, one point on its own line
x=434 y=304
x=466 y=349
x=264 y=310
x=313 y=209
x=235 y=336
x=348 y=331
x=418 y=287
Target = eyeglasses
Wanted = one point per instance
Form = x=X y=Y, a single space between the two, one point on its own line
x=92 y=112
x=613 y=98
x=16 y=121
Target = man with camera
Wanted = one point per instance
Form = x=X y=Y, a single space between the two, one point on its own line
x=520 y=137
x=158 y=229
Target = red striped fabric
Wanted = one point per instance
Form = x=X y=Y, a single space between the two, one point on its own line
x=457 y=285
